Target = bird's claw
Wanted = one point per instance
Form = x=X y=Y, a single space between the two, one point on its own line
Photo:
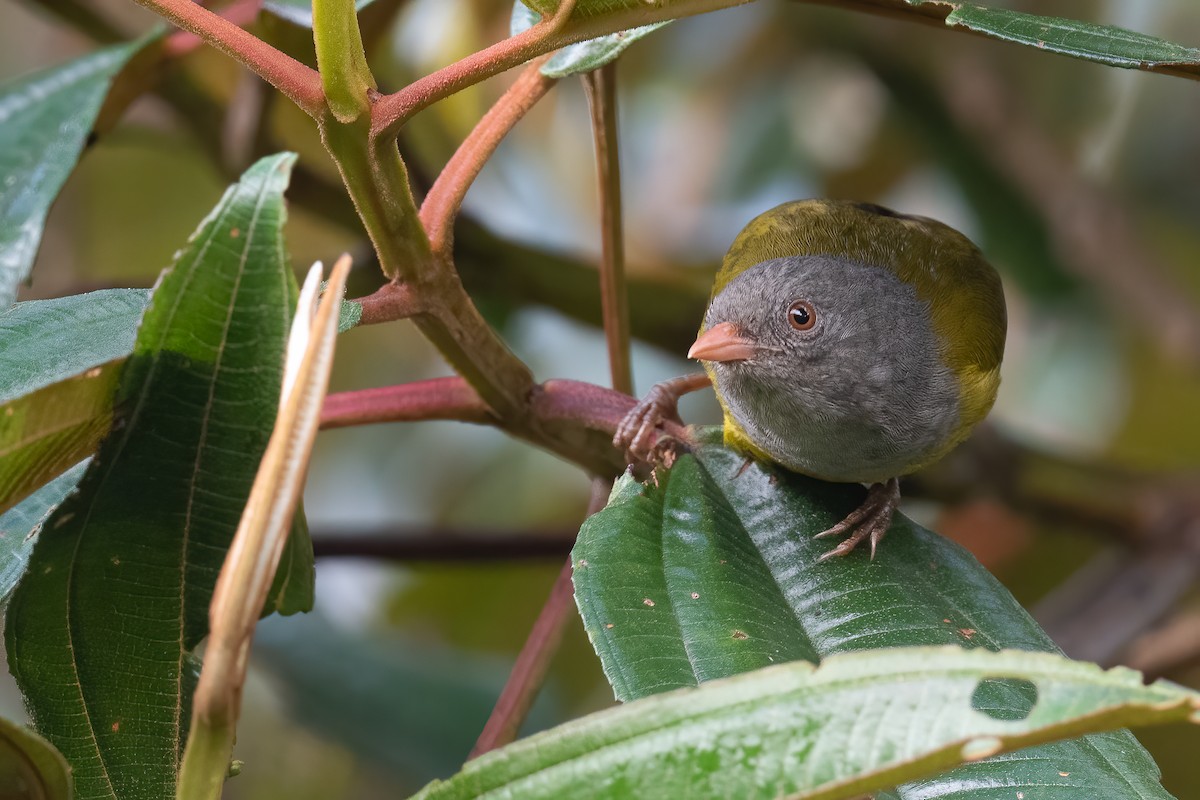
x=870 y=521
x=639 y=435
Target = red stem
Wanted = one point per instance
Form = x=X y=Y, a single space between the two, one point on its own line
x=240 y=13
x=392 y=111
x=439 y=398
x=389 y=302
x=446 y=195
x=301 y=84
x=533 y=663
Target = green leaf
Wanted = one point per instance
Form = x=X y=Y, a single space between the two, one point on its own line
x=117 y=591
x=584 y=56
x=1104 y=44
x=45 y=118
x=43 y=433
x=349 y=315
x=714 y=572
x=30 y=767
x=19 y=526
x=294 y=585
x=59 y=365
x=856 y=724
x=46 y=341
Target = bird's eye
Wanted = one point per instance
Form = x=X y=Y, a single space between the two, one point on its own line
x=801 y=315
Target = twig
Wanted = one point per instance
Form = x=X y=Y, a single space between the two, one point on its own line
x=438 y=398
x=601 y=87
x=393 y=110
x=446 y=195
x=572 y=419
x=413 y=543
x=1173 y=646
x=388 y=303
x=534 y=660
x=240 y=13
x=301 y=84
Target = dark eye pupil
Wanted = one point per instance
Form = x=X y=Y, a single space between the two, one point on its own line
x=800 y=315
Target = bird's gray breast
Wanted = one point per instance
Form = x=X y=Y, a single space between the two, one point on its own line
x=865 y=400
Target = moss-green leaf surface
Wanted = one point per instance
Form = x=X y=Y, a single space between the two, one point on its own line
x=30 y=767
x=713 y=572
x=45 y=119
x=855 y=724
x=116 y=594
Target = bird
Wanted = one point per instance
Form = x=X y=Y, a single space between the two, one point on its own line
x=847 y=342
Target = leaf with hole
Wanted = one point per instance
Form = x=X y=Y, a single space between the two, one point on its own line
x=713 y=572
x=856 y=724
x=100 y=629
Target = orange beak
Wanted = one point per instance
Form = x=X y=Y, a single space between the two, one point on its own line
x=722 y=342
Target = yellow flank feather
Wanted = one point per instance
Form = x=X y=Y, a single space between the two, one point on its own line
x=947 y=271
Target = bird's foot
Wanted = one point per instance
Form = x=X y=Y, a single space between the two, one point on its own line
x=639 y=435
x=870 y=521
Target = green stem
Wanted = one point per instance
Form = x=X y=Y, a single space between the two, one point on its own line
x=205 y=760
x=341 y=59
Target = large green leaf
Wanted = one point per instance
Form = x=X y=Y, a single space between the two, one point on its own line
x=99 y=630
x=19 y=526
x=713 y=572
x=855 y=724
x=45 y=119
x=30 y=767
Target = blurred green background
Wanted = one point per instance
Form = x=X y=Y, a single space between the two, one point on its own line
x=1082 y=183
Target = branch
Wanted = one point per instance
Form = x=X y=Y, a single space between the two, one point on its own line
x=446 y=195
x=393 y=110
x=572 y=419
x=345 y=76
x=529 y=672
x=388 y=303
x=601 y=85
x=301 y=84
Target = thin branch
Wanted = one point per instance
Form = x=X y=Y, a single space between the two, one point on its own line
x=415 y=543
x=438 y=398
x=301 y=84
x=572 y=419
x=601 y=87
x=446 y=195
x=240 y=13
x=393 y=110
x=529 y=672
x=388 y=303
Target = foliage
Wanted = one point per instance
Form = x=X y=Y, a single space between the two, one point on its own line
x=154 y=445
